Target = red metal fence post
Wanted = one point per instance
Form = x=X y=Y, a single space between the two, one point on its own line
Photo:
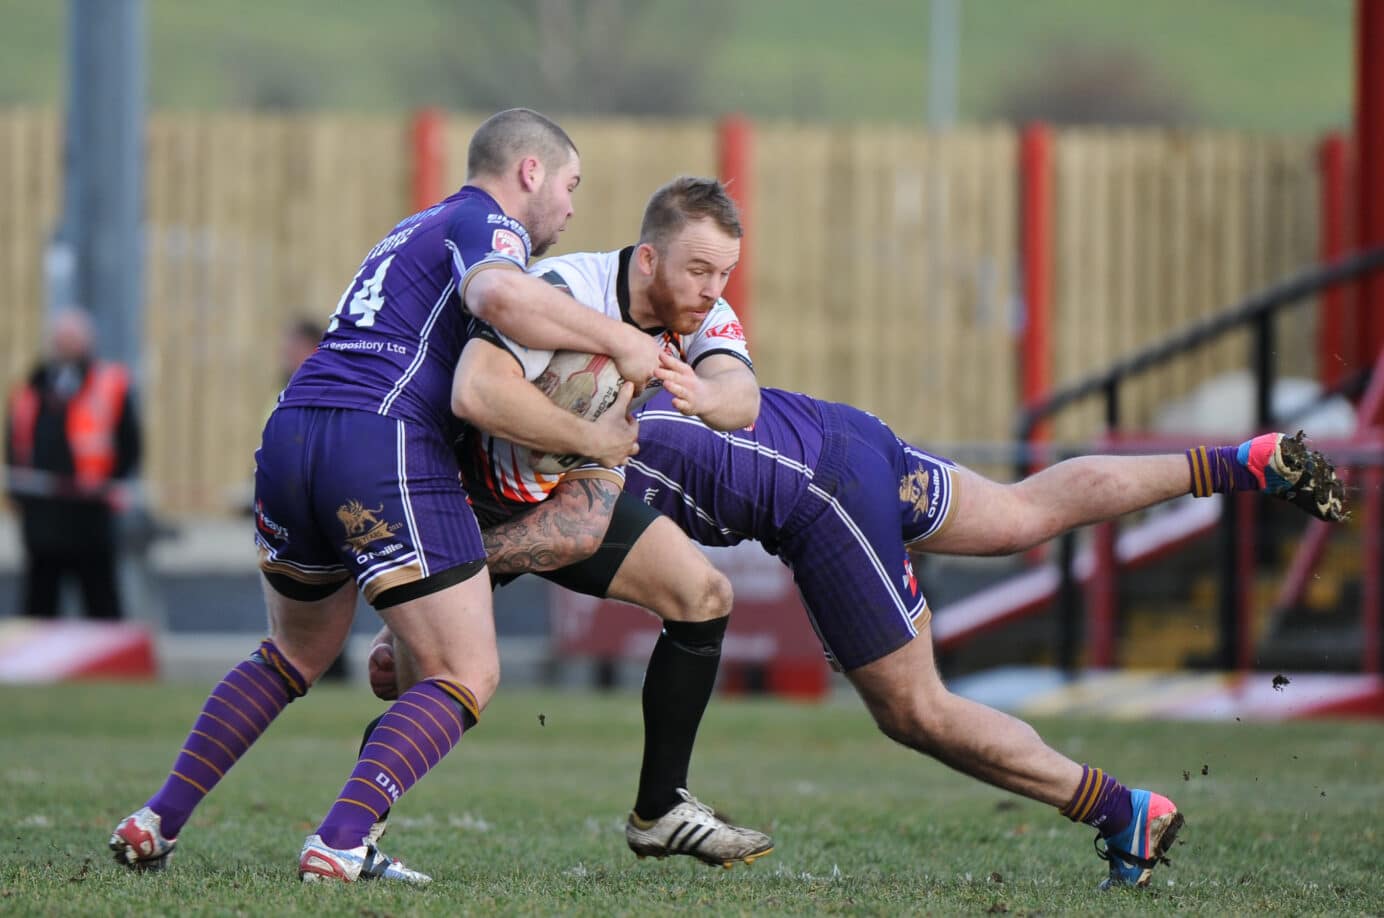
x=429 y=154
x=1369 y=138
x=735 y=163
x=1035 y=246
x=1337 y=353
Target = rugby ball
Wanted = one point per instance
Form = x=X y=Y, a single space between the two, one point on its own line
x=584 y=384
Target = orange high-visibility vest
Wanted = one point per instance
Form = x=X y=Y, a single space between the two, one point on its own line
x=92 y=417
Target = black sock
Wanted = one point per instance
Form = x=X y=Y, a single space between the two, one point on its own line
x=677 y=686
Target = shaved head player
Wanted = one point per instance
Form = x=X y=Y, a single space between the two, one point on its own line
x=356 y=491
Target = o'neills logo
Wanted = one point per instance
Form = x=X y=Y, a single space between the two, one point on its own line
x=362 y=524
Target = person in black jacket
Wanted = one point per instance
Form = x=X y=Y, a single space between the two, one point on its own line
x=72 y=442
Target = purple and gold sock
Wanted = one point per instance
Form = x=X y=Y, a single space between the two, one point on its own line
x=1101 y=802
x=411 y=738
x=238 y=710
x=1218 y=469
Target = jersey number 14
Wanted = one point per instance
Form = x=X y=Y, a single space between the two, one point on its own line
x=368 y=299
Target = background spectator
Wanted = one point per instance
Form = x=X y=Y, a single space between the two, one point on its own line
x=72 y=439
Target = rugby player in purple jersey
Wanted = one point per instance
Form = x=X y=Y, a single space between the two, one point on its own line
x=356 y=490
x=847 y=505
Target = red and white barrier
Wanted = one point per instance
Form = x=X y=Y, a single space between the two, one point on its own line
x=36 y=650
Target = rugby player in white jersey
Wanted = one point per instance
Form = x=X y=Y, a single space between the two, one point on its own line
x=669 y=286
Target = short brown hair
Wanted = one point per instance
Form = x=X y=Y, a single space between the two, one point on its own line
x=516 y=132
x=683 y=200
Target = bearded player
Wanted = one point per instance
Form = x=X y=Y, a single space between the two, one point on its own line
x=668 y=286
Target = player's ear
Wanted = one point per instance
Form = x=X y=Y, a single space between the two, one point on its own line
x=531 y=173
x=646 y=257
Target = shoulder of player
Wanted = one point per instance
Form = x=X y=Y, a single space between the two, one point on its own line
x=588 y=276
x=591 y=264
x=477 y=213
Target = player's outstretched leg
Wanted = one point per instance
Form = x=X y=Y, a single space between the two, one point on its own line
x=238 y=710
x=1275 y=464
x=911 y=706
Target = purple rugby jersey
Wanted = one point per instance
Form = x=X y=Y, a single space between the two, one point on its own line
x=722 y=487
x=396 y=334
x=827 y=488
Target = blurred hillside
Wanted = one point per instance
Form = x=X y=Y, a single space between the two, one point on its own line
x=1281 y=65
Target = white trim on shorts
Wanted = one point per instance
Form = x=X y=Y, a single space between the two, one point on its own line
x=401 y=460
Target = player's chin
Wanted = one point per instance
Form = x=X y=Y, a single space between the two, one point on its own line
x=692 y=321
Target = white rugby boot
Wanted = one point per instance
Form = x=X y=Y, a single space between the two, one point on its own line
x=318 y=861
x=138 y=841
x=693 y=828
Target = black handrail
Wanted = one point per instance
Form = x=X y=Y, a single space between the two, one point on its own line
x=1259 y=307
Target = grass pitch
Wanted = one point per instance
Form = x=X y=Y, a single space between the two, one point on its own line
x=526 y=816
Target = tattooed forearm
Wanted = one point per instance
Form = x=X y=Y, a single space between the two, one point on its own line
x=562 y=530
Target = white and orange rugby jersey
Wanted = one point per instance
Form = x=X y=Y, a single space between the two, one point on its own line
x=498 y=472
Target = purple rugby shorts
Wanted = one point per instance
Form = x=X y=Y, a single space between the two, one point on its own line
x=342 y=492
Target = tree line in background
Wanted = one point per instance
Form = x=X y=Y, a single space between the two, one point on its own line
x=586 y=57
x=1235 y=64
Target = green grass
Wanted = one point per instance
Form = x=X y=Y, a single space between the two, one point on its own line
x=1254 y=64
x=526 y=818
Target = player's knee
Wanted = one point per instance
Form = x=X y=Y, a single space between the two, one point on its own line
x=720 y=596
x=483 y=679
x=912 y=723
x=714 y=598
x=296 y=679
x=480 y=673
x=700 y=594
x=897 y=725
x=485 y=684
x=299 y=664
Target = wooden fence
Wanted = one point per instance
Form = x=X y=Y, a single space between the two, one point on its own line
x=30 y=180
x=884 y=270
x=1155 y=230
